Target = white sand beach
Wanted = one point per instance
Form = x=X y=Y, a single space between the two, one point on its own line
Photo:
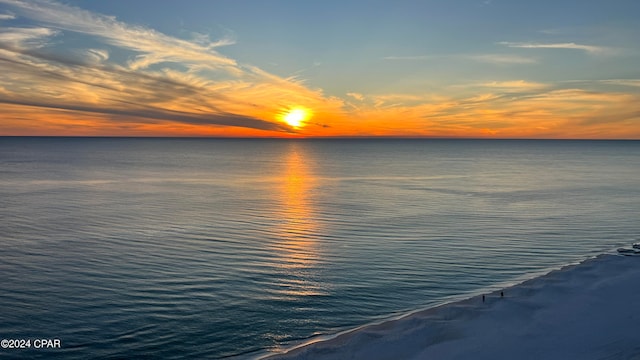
x=585 y=311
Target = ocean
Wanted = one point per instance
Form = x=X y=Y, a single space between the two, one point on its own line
x=235 y=248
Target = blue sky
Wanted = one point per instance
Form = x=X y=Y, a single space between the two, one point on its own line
x=345 y=46
x=356 y=61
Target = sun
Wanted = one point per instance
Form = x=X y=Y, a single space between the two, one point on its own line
x=296 y=117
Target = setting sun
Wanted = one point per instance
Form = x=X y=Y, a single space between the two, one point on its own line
x=529 y=81
x=296 y=117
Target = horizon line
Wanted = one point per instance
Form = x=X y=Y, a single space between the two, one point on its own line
x=315 y=137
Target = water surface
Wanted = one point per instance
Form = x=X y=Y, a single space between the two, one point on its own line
x=221 y=248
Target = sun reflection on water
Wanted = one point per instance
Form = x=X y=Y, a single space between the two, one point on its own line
x=298 y=248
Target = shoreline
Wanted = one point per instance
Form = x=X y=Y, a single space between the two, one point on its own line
x=581 y=310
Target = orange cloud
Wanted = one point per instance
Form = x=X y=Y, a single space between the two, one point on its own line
x=176 y=87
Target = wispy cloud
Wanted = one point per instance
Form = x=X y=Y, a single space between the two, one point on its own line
x=502 y=88
x=131 y=79
x=592 y=49
x=153 y=47
x=356 y=96
x=503 y=59
x=22 y=38
x=623 y=82
x=630 y=86
x=7 y=16
x=412 y=57
x=515 y=85
x=551 y=31
x=155 y=114
x=485 y=58
x=515 y=108
x=165 y=79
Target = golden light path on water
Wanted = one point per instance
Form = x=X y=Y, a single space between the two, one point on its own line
x=297 y=247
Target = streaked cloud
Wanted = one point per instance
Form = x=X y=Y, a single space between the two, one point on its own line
x=622 y=82
x=592 y=49
x=152 y=46
x=485 y=58
x=203 y=88
x=411 y=57
x=517 y=85
x=21 y=38
x=7 y=17
x=515 y=108
x=65 y=70
x=503 y=59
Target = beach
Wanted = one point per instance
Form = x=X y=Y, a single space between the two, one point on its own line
x=583 y=311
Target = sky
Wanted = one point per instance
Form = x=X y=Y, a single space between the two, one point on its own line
x=289 y=68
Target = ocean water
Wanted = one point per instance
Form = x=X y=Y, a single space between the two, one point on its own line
x=234 y=248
